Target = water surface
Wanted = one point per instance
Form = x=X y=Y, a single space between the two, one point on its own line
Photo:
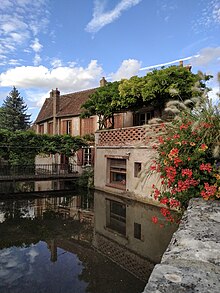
x=80 y=242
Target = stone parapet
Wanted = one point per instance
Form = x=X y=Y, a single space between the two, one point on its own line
x=191 y=262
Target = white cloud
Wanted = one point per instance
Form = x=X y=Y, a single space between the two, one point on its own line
x=207 y=56
x=22 y=20
x=65 y=78
x=36 y=46
x=14 y=62
x=213 y=95
x=37 y=97
x=210 y=16
x=216 y=12
x=56 y=63
x=127 y=69
x=32 y=253
x=102 y=18
x=37 y=59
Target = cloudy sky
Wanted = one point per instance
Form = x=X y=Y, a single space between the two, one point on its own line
x=71 y=44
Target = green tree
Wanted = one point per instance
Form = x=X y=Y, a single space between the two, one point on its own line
x=159 y=86
x=101 y=104
x=13 y=112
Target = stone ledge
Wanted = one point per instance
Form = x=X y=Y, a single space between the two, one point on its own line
x=191 y=262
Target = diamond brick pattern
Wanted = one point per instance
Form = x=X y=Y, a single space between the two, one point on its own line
x=129 y=136
x=137 y=265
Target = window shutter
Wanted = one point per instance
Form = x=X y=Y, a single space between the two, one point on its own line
x=92 y=156
x=80 y=157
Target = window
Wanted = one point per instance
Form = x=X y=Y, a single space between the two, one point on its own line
x=50 y=128
x=137 y=169
x=117 y=173
x=68 y=126
x=41 y=129
x=87 y=156
x=142 y=118
x=137 y=231
x=116 y=216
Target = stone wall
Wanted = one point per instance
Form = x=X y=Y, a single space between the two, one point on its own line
x=191 y=262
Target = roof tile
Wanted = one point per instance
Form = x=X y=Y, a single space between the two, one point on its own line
x=70 y=105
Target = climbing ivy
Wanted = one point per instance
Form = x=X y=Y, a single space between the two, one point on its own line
x=21 y=147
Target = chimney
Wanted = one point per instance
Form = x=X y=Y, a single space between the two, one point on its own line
x=181 y=63
x=55 y=95
x=103 y=82
x=189 y=67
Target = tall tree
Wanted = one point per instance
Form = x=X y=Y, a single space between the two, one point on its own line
x=13 y=114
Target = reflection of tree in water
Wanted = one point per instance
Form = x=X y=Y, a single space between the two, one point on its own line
x=15 y=210
x=20 y=227
x=10 y=187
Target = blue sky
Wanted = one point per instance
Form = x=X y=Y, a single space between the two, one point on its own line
x=71 y=44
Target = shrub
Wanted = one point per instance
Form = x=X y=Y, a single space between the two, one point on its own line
x=189 y=155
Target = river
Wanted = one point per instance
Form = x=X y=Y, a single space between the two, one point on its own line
x=75 y=240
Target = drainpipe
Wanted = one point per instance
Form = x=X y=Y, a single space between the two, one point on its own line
x=55 y=95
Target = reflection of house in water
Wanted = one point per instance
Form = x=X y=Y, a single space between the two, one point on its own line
x=49 y=185
x=125 y=233
x=77 y=207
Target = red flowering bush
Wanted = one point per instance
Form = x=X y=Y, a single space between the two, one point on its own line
x=189 y=158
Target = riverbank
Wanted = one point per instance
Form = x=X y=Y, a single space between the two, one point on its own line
x=191 y=262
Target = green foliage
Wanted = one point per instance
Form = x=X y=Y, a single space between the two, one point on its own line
x=21 y=147
x=159 y=86
x=100 y=104
x=87 y=178
x=13 y=113
x=155 y=89
x=189 y=154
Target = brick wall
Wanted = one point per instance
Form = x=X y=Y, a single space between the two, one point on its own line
x=129 y=136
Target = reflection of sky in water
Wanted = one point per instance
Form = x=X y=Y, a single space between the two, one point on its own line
x=29 y=270
x=2 y=217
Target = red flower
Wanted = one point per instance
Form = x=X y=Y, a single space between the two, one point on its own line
x=171 y=173
x=206 y=167
x=154 y=219
x=209 y=191
x=203 y=147
x=160 y=139
x=165 y=212
x=187 y=172
x=184 y=126
x=164 y=200
x=174 y=203
x=174 y=152
x=153 y=167
x=156 y=194
x=177 y=161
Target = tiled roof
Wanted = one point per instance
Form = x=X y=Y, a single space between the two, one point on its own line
x=70 y=105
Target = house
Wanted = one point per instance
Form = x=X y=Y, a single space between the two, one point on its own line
x=125 y=153
x=122 y=156
x=60 y=114
x=116 y=149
